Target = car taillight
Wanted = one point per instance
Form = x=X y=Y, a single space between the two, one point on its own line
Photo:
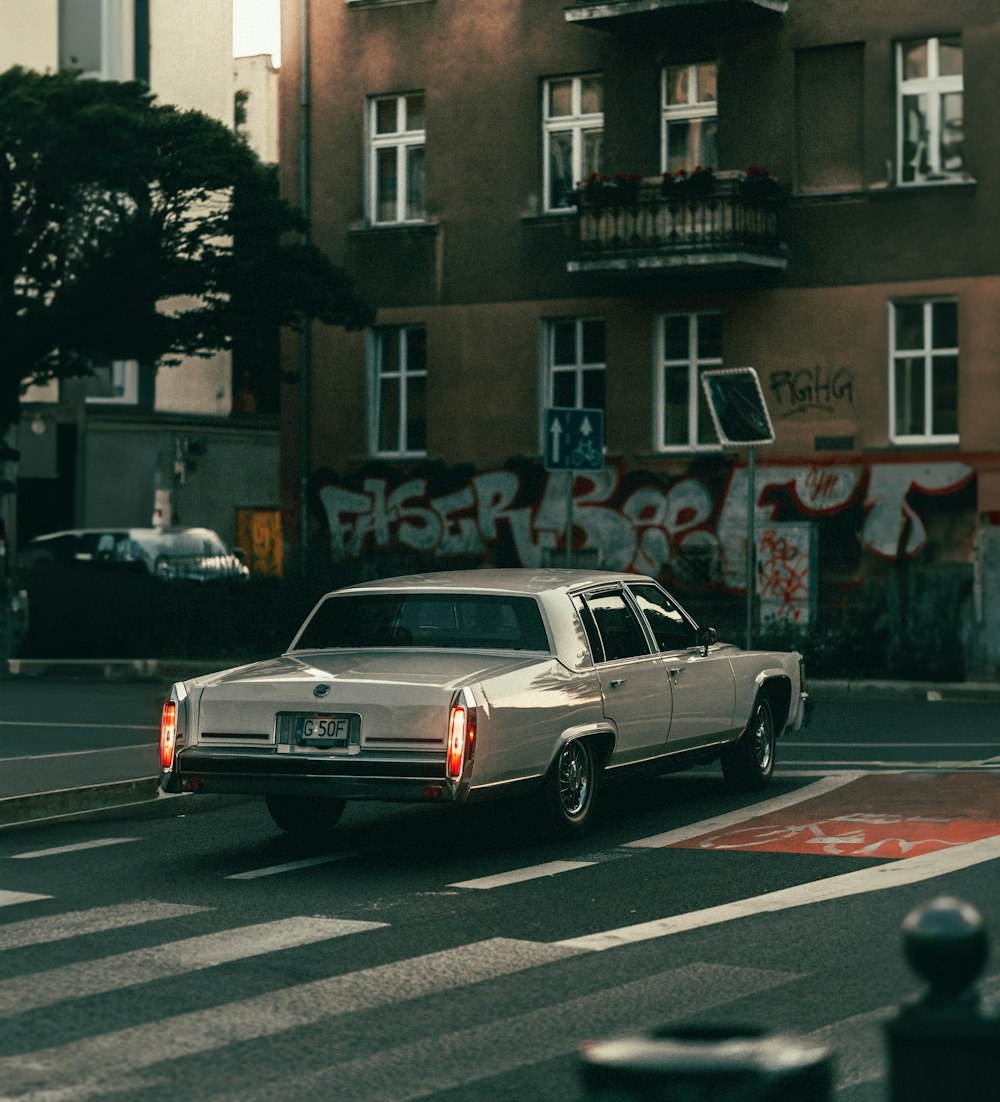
x=461 y=739
x=168 y=733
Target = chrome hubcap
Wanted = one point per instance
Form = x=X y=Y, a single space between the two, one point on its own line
x=574 y=779
x=763 y=743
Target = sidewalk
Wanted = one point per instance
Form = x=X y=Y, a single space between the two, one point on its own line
x=48 y=788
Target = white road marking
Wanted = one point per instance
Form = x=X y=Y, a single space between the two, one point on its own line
x=518 y=876
x=893 y=745
x=9 y=899
x=172 y=958
x=79 y=1070
x=49 y=928
x=95 y=843
x=893 y=874
x=682 y=834
x=289 y=866
x=83 y=753
x=441 y=1062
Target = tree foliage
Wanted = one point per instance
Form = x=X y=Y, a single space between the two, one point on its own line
x=135 y=230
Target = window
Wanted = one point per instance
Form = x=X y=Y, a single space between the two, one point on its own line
x=620 y=633
x=117 y=383
x=671 y=628
x=400 y=386
x=930 y=110
x=573 y=131
x=576 y=363
x=689 y=110
x=458 y=620
x=689 y=345
x=397 y=170
x=923 y=388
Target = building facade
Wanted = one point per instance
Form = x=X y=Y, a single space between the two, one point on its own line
x=589 y=205
x=137 y=443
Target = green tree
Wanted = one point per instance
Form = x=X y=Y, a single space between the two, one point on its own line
x=134 y=230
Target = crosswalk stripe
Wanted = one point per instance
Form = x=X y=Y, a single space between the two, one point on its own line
x=55 y=851
x=9 y=899
x=442 y=1061
x=289 y=866
x=78 y=1070
x=49 y=928
x=172 y=958
x=518 y=876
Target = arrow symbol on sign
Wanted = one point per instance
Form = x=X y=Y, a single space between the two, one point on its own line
x=585 y=427
x=556 y=431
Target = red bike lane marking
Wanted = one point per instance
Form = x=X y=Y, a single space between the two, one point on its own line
x=880 y=815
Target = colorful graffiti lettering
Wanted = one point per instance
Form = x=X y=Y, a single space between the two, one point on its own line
x=646 y=529
x=783 y=573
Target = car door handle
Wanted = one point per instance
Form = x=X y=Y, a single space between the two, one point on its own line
x=618 y=681
x=675 y=670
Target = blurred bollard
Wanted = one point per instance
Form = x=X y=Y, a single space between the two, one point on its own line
x=707 y=1064
x=946 y=1044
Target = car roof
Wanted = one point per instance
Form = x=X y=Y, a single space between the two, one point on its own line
x=114 y=529
x=526 y=581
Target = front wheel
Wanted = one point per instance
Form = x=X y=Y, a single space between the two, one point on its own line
x=305 y=817
x=569 y=788
x=748 y=765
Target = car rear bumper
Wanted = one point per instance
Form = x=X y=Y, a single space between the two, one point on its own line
x=271 y=774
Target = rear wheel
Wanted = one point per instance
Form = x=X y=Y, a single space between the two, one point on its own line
x=749 y=764
x=305 y=817
x=570 y=786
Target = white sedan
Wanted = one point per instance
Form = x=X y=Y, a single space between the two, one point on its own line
x=468 y=685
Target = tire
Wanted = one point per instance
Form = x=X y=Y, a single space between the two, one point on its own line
x=305 y=817
x=748 y=765
x=570 y=786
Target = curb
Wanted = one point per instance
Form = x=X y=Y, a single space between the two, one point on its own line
x=102 y=801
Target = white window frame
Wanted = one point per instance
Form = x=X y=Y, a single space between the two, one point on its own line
x=577 y=123
x=403 y=141
x=927 y=352
x=695 y=108
x=934 y=87
x=402 y=372
x=693 y=365
x=124 y=384
x=579 y=365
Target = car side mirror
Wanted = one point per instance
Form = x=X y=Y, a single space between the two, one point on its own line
x=705 y=638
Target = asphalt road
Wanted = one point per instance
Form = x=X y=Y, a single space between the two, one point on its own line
x=455 y=954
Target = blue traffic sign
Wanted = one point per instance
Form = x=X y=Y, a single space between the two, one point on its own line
x=574 y=439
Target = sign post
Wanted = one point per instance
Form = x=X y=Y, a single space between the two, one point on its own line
x=574 y=441
x=742 y=420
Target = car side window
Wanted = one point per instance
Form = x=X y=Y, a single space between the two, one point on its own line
x=671 y=629
x=620 y=631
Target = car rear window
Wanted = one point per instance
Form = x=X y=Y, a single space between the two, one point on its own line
x=466 y=621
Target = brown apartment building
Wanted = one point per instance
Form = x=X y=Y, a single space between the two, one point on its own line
x=586 y=205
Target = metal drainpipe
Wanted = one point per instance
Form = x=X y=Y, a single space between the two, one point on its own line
x=305 y=334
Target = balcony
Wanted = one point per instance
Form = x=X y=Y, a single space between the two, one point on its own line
x=726 y=221
x=612 y=14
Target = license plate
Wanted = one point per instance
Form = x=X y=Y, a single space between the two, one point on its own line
x=327 y=732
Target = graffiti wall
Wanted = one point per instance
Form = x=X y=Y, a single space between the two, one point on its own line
x=693 y=527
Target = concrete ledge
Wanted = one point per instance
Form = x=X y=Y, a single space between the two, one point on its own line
x=97 y=801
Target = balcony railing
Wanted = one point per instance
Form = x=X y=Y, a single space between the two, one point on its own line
x=606 y=14
x=724 y=221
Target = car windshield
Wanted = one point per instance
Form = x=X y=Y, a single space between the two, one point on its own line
x=197 y=543
x=467 y=621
